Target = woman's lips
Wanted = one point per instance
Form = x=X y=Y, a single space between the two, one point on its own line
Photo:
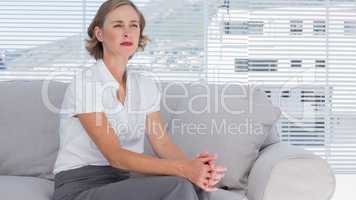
x=126 y=43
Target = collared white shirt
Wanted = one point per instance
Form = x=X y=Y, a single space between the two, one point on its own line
x=95 y=90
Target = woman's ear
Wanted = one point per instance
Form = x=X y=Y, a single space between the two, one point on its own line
x=98 y=33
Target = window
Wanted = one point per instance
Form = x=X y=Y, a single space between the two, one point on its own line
x=313 y=78
x=57 y=29
x=304 y=53
x=303 y=123
x=319 y=27
x=304 y=133
x=296 y=27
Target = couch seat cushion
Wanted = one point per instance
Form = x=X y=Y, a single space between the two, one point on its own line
x=221 y=194
x=25 y=188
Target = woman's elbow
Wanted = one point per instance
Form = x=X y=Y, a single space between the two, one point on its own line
x=116 y=160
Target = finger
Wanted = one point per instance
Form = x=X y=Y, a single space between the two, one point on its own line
x=217 y=177
x=213 y=183
x=204 y=182
x=206 y=156
x=215 y=180
x=212 y=161
x=203 y=154
x=208 y=183
x=208 y=180
x=205 y=186
x=209 y=189
x=219 y=169
x=211 y=167
x=214 y=176
x=207 y=159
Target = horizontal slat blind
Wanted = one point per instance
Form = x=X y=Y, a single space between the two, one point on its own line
x=176 y=29
x=48 y=36
x=342 y=79
x=303 y=54
x=41 y=38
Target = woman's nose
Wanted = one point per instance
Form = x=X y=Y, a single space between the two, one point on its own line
x=126 y=32
x=126 y=35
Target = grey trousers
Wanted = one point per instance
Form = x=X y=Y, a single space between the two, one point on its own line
x=108 y=183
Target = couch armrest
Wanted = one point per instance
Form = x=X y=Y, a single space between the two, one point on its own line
x=288 y=172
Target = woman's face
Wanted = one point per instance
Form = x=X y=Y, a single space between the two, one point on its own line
x=121 y=32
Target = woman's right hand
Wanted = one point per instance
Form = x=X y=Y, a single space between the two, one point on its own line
x=197 y=172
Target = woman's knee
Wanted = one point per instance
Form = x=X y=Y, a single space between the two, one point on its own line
x=182 y=189
x=183 y=182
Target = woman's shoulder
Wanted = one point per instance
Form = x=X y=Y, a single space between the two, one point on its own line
x=81 y=78
x=83 y=93
x=90 y=74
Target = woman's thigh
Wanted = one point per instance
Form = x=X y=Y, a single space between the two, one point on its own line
x=145 y=188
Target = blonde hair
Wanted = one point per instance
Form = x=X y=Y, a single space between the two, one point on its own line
x=93 y=45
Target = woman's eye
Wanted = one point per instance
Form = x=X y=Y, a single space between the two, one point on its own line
x=120 y=25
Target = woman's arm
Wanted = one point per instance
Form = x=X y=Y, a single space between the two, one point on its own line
x=100 y=131
x=160 y=141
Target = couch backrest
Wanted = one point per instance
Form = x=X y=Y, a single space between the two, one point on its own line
x=29 y=130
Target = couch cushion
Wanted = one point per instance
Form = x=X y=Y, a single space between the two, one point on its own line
x=29 y=130
x=234 y=127
x=221 y=194
x=25 y=188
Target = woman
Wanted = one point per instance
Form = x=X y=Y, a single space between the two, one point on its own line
x=101 y=139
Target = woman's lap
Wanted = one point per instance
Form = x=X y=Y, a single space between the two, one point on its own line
x=147 y=188
x=107 y=183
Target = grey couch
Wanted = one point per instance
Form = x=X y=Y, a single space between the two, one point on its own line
x=29 y=143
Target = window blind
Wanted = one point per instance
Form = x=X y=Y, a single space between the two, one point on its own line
x=35 y=33
x=303 y=54
x=300 y=52
x=46 y=38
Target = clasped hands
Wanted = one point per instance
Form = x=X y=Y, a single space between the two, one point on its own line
x=204 y=172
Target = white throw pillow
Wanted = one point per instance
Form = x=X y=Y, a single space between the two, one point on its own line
x=231 y=120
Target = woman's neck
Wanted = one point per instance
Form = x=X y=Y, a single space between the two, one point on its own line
x=117 y=67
